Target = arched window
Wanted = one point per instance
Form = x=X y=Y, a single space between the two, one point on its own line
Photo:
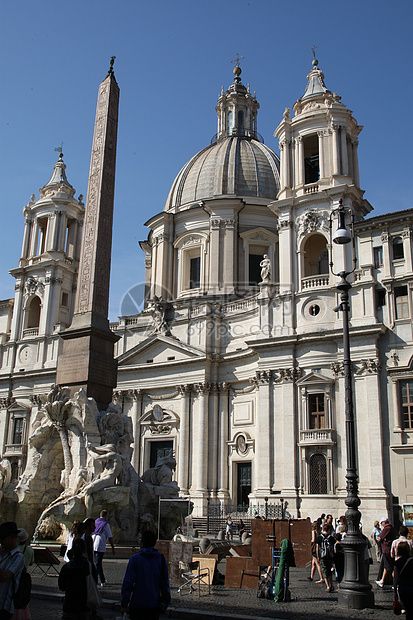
x=33 y=319
x=318 y=474
x=230 y=122
x=315 y=256
x=398 y=251
x=240 y=122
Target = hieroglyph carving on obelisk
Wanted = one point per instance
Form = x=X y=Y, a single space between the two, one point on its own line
x=94 y=270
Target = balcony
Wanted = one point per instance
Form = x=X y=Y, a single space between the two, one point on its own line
x=31 y=332
x=317 y=437
x=15 y=449
x=311 y=282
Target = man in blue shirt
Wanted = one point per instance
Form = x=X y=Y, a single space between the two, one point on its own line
x=145 y=588
x=11 y=567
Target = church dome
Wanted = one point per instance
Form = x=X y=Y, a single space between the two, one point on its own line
x=236 y=163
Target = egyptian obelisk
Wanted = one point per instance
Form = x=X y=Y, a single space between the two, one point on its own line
x=86 y=357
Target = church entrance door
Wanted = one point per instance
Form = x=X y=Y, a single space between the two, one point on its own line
x=244 y=483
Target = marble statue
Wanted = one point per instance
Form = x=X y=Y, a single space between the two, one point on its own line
x=265 y=265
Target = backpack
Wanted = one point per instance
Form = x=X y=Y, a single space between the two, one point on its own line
x=326 y=547
x=21 y=596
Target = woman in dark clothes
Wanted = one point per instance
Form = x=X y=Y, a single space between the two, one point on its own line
x=403 y=578
x=72 y=580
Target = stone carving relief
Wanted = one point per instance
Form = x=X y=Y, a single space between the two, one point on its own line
x=369 y=366
x=312 y=221
x=288 y=375
x=34 y=286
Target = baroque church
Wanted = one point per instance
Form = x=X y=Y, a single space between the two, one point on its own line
x=235 y=364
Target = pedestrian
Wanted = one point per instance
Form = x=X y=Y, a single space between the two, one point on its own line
x=101 y=534
x=376 y=542
x=241 y=529
x=338 y=559
x=341 y=525
x=315 y=562
x=386 y=537
x=228 y=528
x=403 y=578
x=367 y=557
x=329 y=522
x=321 y=519
x=403 y=534
x=11 y=567
x=325 y=544
x=89 y=528
x=145 y=588
x=71 y=535
x=28 y=553
x=73 y=582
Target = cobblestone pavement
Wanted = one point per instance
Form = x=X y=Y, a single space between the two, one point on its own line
x=309 y=600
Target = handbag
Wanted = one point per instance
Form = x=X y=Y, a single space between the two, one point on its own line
x=397 y=608
x=94 y=599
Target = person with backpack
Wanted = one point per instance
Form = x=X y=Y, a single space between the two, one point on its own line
x=326 y=544
x=145 y=588
x=11 y=568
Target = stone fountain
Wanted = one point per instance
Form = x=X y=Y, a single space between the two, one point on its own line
x=79 y=462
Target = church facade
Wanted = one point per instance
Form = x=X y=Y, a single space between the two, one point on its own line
x=235 y=364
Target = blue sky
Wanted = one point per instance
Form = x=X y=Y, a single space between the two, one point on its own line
x=171 y=60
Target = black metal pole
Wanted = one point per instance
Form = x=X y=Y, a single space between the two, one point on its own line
x=355 y=591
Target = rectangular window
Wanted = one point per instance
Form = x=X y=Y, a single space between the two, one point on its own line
x=18 y=431
x=195 y=272
x=316 y=408
x=378 y=257
x=407 y=403
x=402 y=302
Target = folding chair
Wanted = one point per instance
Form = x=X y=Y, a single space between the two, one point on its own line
x=192 y=576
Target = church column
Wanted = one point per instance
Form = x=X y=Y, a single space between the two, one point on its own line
x=154 y=266
x=215 y=256
x=229 y=257
x=17 y=310
x=407 y=247
x=47 y=314
x=344 y=154
x=48 y=244
x=300 y=161
x=321 y=154
x=34 y=238
x=397 y=411
x=263 y=454
x=286 y=166
x=214 y=434
x=223 y=487
x=356 y=173
x=56 y=230
x=288 y=436
x=26 y=236
x=135 y=415
x=183 y=460
x=200 y=454
x=386 y=254
x=336 y=154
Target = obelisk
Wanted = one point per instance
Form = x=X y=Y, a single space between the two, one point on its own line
x=86 y=357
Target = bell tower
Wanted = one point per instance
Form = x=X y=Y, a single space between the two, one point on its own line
x=46 y=276
x=319 y=144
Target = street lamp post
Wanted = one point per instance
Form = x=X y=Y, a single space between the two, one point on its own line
x=355 y=591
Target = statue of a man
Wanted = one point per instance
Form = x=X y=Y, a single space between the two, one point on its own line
x=112 y=468
x=265 y=265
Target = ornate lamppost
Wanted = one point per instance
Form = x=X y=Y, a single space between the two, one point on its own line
x=355 y=591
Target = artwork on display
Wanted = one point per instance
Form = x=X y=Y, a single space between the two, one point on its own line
x=407 y=514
